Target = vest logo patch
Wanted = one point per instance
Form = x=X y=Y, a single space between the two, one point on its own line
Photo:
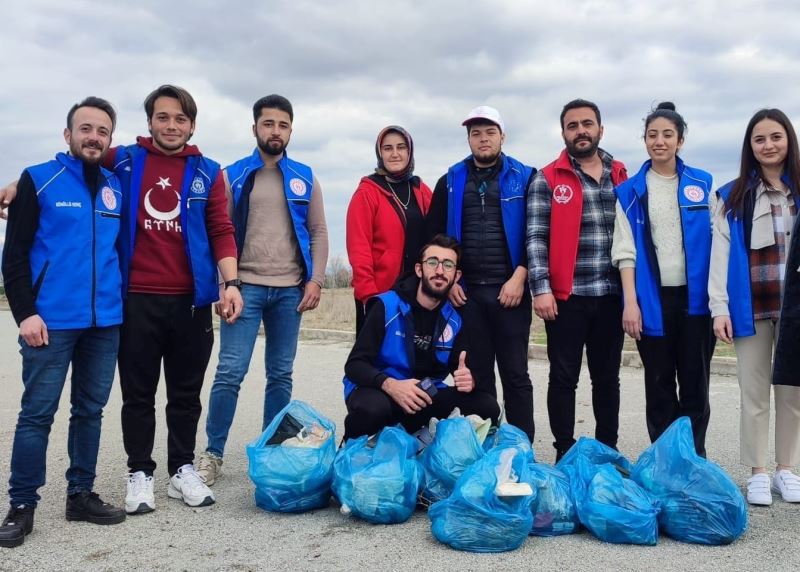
x=297 y=186
x=447 y=334
x=693 y=193
x=197 y=185
x=108 y=198
x=562 y=194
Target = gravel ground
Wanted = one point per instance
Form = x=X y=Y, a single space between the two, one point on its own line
x=235 y=535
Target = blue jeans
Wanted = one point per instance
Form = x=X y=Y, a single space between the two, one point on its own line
x=93 y=354
x=277 y=307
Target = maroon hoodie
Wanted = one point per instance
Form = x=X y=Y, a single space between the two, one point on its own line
x=159 y=264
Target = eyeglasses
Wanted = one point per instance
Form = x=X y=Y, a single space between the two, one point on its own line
x=433 y=263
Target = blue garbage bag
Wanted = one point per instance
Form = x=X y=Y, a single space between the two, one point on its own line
x=596 y=453
x=291 y=473
x=613 y=508
x=455 y=447
x=474 y=517
x=379 y=480
x=700 y=503
x=508 y=435
x=553 y=509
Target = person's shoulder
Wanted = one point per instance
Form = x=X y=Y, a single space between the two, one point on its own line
x=725 y=189
x=295 y=164
x=517 y=164
x=697 y=173
x=209 y=163
x=367 y=185
x=50 y=164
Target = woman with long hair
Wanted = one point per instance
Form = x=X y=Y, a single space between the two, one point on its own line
x=662 y=246
x=386 y=219
x=753 y=230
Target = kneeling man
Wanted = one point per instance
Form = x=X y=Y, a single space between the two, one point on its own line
x=408 y=345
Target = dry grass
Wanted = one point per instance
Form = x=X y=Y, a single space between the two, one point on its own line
x=336 y=311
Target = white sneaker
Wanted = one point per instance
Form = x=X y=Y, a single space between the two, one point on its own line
x=189 y=487
x=758 y=490
x=208 y=467
x=788 y=484
x=140 y=498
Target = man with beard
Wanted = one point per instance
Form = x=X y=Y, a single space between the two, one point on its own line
x=571 y=210
x=276 y=207
x=62 y=279
x=175 y=235
x=481 y=203
x=407 y=346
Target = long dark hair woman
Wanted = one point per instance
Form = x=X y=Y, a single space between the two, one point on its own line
x=385 y=219
x=662 y=246
x=754 y=234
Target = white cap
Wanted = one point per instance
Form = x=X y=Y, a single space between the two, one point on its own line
x=488 y=113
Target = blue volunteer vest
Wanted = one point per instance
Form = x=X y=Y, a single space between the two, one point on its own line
x=694 y=187
x=740 y=298
x=298 y=184
x=396 y=356
x=74 y=262
x=513 y=183
x=198 y=178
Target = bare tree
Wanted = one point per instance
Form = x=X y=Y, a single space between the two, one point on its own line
x=338 y=273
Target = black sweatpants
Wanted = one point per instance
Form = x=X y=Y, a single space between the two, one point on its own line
x=157 y=327
x=502 y=334
x=684 y=350
x=370 y=409
x=594 y=322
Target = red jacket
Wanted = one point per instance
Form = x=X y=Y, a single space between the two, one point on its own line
x=566 y=207
x=376 y=236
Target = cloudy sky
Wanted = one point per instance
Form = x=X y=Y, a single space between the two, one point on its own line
x=351 y=67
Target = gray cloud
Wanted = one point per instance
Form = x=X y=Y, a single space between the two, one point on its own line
x=351 y=67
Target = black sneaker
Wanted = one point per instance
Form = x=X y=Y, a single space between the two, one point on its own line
x=16 y=525
x=88 y=507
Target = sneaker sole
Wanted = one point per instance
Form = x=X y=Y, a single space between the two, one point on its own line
x=778 y=491
x=12 y=542
x=759 y=503
x=174 y=493
x=141 y=508
x=101 y=520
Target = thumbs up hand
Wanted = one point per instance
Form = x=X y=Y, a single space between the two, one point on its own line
x=462 y=376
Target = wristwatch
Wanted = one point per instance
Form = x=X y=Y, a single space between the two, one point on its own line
x=235 y=282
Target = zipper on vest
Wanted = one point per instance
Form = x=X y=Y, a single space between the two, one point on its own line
x=94 y=264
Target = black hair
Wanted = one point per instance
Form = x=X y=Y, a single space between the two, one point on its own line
x=273 y=101
x=749 y=165
x=442 y=241
x=575 y=104
x=97 y=103
x=666 y=109
x=188 y=105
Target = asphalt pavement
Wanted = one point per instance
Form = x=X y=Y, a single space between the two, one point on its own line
x=234 y=534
